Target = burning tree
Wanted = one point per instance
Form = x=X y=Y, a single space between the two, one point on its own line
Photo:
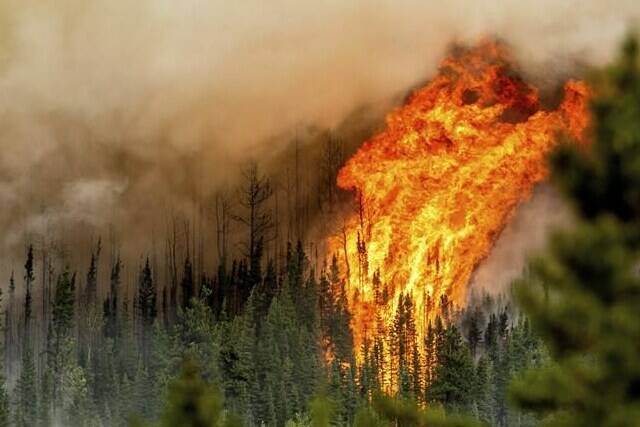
x=438 y=185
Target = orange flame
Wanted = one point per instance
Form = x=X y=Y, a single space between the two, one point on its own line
x=437 y=186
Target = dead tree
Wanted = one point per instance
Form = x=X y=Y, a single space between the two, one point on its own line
x=223 y=217
x=255 y=215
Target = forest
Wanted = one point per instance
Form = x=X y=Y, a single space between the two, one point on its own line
x=266 y=339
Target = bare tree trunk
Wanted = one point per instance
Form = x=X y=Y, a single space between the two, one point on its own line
x=346 y=257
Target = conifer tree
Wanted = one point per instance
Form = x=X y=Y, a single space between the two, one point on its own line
x=454 y=374
x=483 y=392
x=390 y=412
x=192 y=402
x=187 y=284
x=27 y=312
x=146 y=307
x=45 y=398
x=10 y=341
x=583 y=294
x=60 y=330
x=146 y=299
x=26 y=392
x=474 y=333
x=4 y=397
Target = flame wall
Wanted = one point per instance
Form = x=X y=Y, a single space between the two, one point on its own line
x=436 y=187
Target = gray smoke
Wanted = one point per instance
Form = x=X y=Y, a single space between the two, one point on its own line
x=114 y=112
x=527 y=232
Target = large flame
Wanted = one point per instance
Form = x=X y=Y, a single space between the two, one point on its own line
x=436 y=187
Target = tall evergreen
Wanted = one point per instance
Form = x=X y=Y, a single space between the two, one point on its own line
x=27 y=313
x=454 y=374
x=10 y=339
x=192 y=402
x=4 y=397
x=26 y=392
x=583 y=293
x=60 y=331
x=146 y=307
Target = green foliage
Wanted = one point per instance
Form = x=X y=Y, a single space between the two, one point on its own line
x=322 y=410
x=5 y=410
x=26 y=392
x=454 y=373
x=146 y=300
x=583 y=294
x=408 y=414
x=192 y=402
x=63 y=304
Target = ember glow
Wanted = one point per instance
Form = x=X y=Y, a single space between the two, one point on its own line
x=436 y=187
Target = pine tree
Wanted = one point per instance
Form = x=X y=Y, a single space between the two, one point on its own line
x=583 y=294
x=4 y=397
x=146 y=308
x=454 y=374
x=398 y=412
x=191 y=402
x=26 y=392
x=146 y=300
x=60 y=329
x=28 y=300
x=10 y=341
x=45 y=398
x=474 y=333
x=483 y=393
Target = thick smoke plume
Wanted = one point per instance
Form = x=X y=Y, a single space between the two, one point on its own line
x=118 y=111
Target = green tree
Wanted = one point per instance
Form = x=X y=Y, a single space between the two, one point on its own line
x=484 y=392
x=4 y=397
x=388 y=412
x=26 y=392
x=453 y=380
x=192 y=402
x=583 y=294
x=60 y=330
x=146 y=308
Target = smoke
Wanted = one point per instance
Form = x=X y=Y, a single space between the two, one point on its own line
x=526 y=233
x=118 y=111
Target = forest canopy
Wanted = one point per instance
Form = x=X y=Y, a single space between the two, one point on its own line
x=266 y=339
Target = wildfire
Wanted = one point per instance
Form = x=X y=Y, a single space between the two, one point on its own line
x=436 y=187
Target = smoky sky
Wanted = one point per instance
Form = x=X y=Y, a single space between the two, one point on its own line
x=112 y=112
